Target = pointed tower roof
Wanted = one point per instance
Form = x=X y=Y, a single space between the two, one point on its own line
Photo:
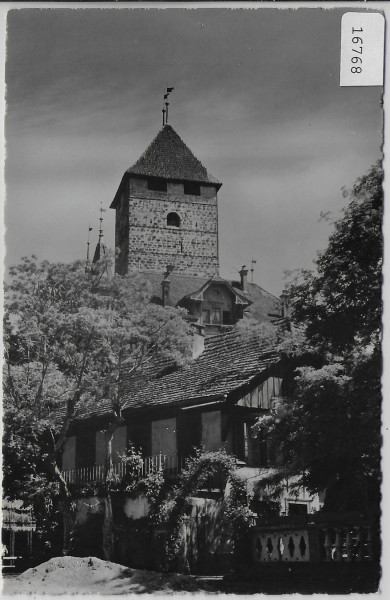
x=168 y=157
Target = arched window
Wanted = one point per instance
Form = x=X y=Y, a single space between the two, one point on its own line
x=173 y=220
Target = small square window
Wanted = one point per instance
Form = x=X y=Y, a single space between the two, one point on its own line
x=191 y=189
x=157 y=185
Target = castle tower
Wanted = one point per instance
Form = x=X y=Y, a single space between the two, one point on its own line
x=166 y=211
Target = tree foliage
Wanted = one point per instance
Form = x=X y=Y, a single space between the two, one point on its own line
x=340 y=303
x=329 y=429
x=69 y=336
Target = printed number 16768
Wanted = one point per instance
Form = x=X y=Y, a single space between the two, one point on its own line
x=358 y=43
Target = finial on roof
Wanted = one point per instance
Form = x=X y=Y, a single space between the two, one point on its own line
x=166 y=103
x=88 y=242
x=100 y=248
x=102 y=210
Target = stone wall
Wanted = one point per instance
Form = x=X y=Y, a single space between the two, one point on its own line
x=122 y=233
x=148 y=244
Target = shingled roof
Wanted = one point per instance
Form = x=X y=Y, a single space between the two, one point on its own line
x=168 y=157
x=228 y=363
x=262 y=303
x=264 y=306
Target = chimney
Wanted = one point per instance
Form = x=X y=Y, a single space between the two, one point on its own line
x=166 y=284
x=244 y=278
x=197 y=340
x=285 y=309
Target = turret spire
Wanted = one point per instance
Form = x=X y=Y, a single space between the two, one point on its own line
x=100 y=248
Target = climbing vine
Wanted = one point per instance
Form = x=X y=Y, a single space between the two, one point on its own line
x=169 y=504
x=204 y=470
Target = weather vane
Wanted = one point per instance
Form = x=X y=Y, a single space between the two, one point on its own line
x=166 y=105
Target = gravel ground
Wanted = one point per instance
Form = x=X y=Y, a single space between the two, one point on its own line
x=90 y=575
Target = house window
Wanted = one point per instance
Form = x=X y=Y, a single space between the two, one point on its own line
x=157 y=185
x=226 y=317
x=206 y=316
x=164 y=437
x=255 y=449
x=173 y=220
x=211 y=430
x=85 y=449
x=215 y=315
x=297 y=508
x=265 y=508
x=191 y=189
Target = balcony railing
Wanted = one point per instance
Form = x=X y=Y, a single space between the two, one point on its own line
x=318 y=542
x=170 y=466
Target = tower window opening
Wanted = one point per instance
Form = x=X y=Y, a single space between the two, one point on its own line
x=157 y=185
x=191 y=188
x=173 y=220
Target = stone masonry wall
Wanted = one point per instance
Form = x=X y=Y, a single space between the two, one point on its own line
x=192 y=247
x=122 y=233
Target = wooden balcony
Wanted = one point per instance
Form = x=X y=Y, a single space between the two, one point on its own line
x=170 y=466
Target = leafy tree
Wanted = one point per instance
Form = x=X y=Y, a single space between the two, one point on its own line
x=329 y=428
x=340 y=303
x=70 y=335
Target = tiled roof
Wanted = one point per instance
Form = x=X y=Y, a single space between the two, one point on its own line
x=168 y=157
x=228 y=362
x=263 y=303
x=181 y=285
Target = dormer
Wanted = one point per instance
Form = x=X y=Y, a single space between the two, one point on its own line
x=217 y=305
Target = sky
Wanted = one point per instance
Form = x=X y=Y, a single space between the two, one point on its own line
x=256 y=98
